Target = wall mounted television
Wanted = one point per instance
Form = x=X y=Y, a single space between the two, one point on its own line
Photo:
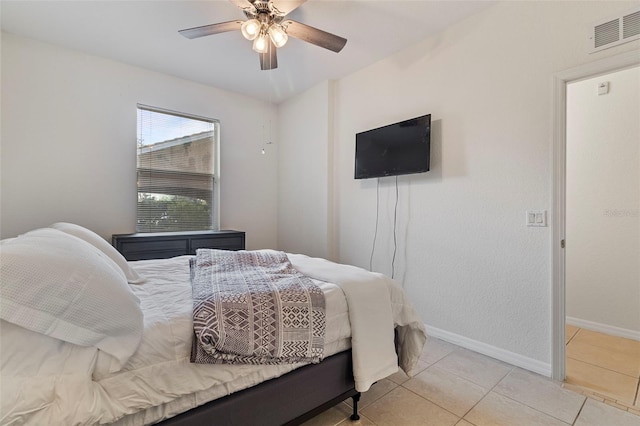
x=397 y=149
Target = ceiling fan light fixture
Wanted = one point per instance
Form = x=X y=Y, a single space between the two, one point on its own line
x=268 y=27
x=278 y=35
x=251 y=29
x=261 y=43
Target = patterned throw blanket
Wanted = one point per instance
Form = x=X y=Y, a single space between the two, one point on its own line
x=253 y=307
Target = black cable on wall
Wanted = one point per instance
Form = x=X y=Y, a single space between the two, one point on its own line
x=395 y=225
x=375 y=235
x=395 y=242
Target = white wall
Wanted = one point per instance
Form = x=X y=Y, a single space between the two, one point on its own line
x=469 y=263
x=603 y=201
x=303 y=172
x=68 y=142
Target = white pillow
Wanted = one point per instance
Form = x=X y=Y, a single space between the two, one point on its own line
x=59 y=285
x=100 y=243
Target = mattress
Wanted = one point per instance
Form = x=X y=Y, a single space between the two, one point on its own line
x=166 y=346
x=158 y=381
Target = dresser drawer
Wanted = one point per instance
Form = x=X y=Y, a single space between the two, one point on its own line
x=221 y=243
x=153 y=249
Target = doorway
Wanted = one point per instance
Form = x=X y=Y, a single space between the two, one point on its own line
x=603 y=235
x=561 y=81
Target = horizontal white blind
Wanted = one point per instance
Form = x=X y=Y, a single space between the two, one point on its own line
x=175 y=165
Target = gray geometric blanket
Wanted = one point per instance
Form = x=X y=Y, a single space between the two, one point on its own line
x=253 y=307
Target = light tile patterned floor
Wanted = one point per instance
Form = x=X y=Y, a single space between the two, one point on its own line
x=454 y=386
x=605 y=367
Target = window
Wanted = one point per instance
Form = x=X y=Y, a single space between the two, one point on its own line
x=176 y=171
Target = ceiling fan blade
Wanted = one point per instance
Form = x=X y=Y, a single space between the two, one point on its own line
x=206 y=30
x=242 y=4
x=315 y=36
x=269 y=60
x=285 y=7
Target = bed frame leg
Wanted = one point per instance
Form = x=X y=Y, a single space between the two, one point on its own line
x=355 y=399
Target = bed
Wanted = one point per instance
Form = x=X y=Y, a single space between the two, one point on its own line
x=123 y=355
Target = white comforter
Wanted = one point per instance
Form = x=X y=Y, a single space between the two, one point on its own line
x=47 y=381
x=376 y=304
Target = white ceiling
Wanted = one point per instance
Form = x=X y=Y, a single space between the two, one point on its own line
x=145 y=34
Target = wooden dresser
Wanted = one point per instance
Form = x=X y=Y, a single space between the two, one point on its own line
x=162 y=245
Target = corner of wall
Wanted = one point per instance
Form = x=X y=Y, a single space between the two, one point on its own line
x=333 y=216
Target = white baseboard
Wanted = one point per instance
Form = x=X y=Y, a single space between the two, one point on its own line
x=512 y=358
x=604 y=328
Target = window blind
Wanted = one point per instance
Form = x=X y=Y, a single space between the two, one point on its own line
x=176 y=171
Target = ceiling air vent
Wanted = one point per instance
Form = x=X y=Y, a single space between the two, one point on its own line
x=631 y=25
x=614 y=30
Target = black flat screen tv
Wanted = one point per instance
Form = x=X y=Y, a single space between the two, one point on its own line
x=397 y=149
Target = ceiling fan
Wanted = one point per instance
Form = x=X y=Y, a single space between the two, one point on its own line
x=269 y=29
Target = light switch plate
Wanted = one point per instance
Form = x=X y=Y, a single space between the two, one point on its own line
x=536 y=218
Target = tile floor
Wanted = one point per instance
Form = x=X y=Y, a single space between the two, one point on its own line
x=455 y=386
x=606 y=366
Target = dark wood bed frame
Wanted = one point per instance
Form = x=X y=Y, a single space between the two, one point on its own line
x=290 y=399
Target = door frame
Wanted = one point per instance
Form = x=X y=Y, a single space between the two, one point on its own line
x=561 y=79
